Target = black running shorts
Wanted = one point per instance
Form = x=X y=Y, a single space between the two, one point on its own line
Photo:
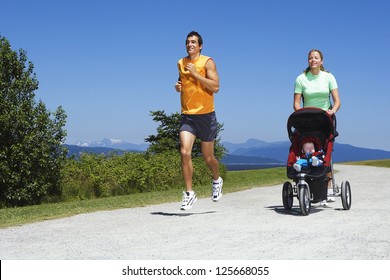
x=202 y=126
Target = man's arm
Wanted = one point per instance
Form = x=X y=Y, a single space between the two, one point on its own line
x=211 y=81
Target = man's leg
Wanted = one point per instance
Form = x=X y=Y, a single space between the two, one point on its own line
x=212 y=163
x=208 y=156
x=187 y=140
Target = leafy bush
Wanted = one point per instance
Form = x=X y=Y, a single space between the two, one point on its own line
x=94 y=176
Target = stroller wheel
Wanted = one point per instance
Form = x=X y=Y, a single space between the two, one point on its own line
x=346 y=197
x=304 y=201
x=287 y=196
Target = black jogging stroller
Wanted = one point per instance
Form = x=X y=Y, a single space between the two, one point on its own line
x=310 y=185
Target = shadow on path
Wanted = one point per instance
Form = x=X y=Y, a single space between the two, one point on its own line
x=295 y=211
x=181 y=214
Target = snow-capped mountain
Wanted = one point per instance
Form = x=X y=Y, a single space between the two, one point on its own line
x=112 y=143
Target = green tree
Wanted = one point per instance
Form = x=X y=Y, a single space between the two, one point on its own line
x=31 y=137
x=167 y=138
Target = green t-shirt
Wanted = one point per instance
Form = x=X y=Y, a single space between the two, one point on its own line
x=315 y=89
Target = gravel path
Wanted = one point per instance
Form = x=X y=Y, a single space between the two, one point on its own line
x=250 y=225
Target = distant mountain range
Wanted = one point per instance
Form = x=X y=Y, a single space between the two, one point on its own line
x=279 y=151
x=251 y=154
x=112 y=144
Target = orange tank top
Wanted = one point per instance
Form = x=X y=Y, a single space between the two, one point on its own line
x=195 y=98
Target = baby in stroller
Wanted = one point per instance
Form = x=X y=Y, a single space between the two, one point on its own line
x=308 y=157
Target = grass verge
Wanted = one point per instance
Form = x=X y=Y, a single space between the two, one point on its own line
x=377 y=163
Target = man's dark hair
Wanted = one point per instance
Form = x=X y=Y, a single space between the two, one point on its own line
x=194 y=33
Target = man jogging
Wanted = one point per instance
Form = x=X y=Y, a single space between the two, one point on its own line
x=198 y=81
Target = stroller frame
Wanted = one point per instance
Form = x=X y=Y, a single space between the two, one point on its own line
x=302 y=125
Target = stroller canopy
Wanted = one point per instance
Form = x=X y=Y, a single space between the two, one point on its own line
x=307 y=120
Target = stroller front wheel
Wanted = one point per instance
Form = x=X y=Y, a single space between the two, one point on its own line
x=304 y=200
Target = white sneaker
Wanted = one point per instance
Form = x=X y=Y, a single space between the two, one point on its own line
x=324 y=203
x=189 y=198
x=297 y=167
x=217 y=189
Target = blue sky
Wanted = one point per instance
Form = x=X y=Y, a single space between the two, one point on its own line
x=109 y=63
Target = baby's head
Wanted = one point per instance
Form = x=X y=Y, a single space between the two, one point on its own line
x=308 y=147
